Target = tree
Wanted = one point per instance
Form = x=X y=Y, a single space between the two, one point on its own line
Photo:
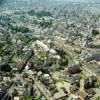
x=43 y=13
x=5 y=67
x=98 y=98
x=27 y=98
x=64 y=61
x=31 y=12
x=95 y=32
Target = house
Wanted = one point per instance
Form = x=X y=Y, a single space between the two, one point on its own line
x=60 y=95
x=74 y=79
x=73 y=97
x=90 y=92
x=16 y=98
x=82 y=95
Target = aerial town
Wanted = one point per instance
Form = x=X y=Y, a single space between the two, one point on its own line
x=49 y=50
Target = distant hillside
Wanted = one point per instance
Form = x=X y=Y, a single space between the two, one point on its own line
x=2 y=2
x=24 y=4
x=16 y=4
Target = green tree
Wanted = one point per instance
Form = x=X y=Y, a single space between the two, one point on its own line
x=27 y=98
x=95 y=32
x=98 y=98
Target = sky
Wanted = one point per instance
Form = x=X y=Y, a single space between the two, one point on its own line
x=4 y=1
x=76 y=0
